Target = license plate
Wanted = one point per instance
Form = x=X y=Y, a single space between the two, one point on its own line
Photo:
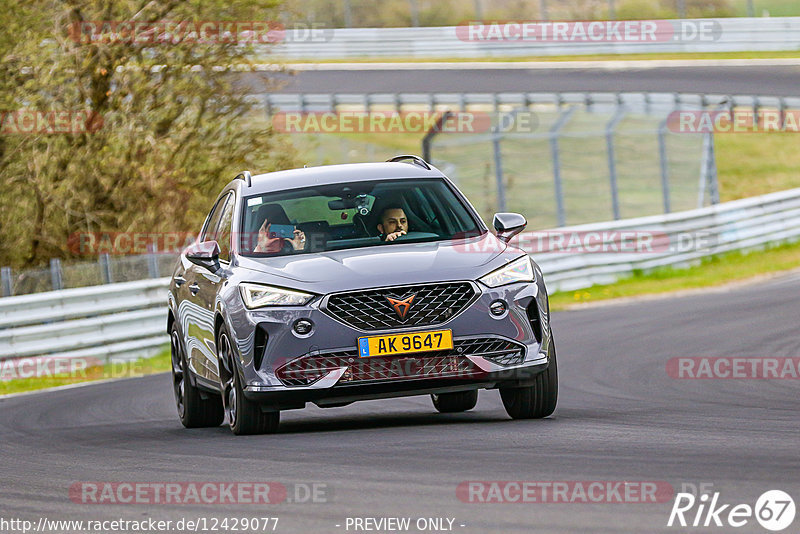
x=405 y=343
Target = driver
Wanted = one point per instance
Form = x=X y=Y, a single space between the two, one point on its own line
x=393 y=223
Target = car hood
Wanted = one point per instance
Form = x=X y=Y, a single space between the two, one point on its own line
x=395 y=264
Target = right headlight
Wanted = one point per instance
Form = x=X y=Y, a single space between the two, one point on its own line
x=258 y=296
x=519 y=270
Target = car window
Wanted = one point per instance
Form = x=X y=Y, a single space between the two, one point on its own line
x=223 y=231
x=351 y=215
x=212 y=221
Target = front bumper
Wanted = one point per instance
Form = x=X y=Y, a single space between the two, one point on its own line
x=345 y=378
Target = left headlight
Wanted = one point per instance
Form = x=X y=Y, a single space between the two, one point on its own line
x=258 y=296
x=517 y=271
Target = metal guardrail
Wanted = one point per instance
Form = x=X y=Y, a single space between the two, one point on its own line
x=112 y=322
x=128 y=320
x=737 y=225
x=713 y=35
x=646 y=103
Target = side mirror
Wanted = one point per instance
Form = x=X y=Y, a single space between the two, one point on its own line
x=508 y=225
x=204 y=254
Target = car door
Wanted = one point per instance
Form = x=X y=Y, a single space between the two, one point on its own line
x=208 y=283
x=193 y=309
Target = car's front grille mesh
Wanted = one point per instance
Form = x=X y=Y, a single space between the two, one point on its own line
x=371 y=310
x=451 y=363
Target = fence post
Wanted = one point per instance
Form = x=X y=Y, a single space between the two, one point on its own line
x=8 y=287
x=555 y=130
x=427 y=141
x=707 y=166
x=55 y=274
x=105 y=268
x=478 y=10
x=543 y=10
x=414 y=13
x=152 y=260
x=348 y=14
x=612 y=164
x=662 y=154
x=713 y=183
x=498 y=171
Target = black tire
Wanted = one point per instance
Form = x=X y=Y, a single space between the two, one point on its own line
x=536 y=401
x=455 y=402
x=196 y=409
x=244 y=416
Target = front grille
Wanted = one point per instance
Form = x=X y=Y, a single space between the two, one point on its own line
x=451 y=363
x=370 y=309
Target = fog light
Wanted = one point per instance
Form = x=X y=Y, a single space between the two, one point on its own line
x=303 y=326
x=498 y=308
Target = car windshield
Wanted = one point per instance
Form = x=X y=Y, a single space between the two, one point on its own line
x=353 y=215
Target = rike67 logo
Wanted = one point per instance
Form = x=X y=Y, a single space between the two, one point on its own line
x=774 y=510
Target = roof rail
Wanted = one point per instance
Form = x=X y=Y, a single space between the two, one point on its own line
x=415 y=160
x=245 y=175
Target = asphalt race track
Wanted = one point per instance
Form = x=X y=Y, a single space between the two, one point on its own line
x=620 y=418
x=750 y=80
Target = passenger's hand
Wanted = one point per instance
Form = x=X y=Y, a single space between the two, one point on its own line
x=299 y=240
x=263 y=238
x=395 y=235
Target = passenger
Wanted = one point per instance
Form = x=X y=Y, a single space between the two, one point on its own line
x=278 y=244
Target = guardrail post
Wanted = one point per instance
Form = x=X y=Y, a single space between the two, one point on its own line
x=612 y=163
x=105 y=268
x=8 y=286
x=662 y=155
x=152 y=260
x=561 y=214
x=55 y=274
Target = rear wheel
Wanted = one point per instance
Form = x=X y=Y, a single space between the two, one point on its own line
x=244 y=416
x=195 y=408
x=455 y=402
x=538 y=400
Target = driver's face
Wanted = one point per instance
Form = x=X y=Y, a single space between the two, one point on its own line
x=393 y=220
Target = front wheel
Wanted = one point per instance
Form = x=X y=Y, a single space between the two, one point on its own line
x=244 y=416
x=455 y=402
x=196 y=409
x=536 y=401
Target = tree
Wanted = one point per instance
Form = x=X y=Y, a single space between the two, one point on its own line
x=157 y=124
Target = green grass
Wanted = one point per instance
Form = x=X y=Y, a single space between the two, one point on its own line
x=141 y=367
x=753 y=164
x=713 y=271
x=775 y=8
